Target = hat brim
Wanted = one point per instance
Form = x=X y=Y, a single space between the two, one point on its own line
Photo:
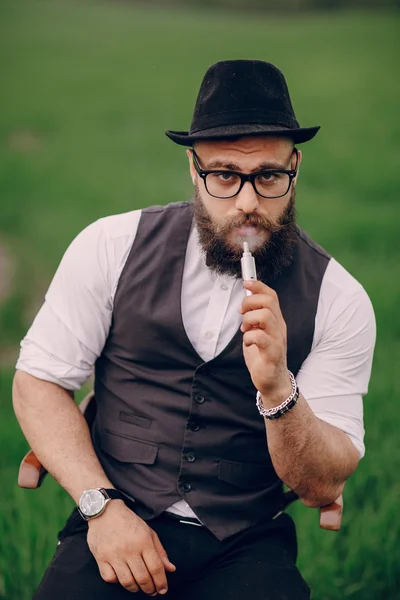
x=299 y=135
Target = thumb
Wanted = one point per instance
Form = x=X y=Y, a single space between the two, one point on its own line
x=162 y=553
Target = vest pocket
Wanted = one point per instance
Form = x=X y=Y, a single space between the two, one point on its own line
x=135 y=419
x=128 y=449
x=246 y=475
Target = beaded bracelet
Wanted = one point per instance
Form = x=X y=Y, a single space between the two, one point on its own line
x=284 y=407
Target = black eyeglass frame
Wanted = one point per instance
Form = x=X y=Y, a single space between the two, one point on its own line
x=244 y=177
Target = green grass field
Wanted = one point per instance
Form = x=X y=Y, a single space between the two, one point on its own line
x=87 y=90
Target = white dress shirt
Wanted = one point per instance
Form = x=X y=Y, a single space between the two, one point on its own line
x=71 y=328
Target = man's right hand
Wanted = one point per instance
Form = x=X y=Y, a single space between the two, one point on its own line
x=125 y=548
x=128 y=551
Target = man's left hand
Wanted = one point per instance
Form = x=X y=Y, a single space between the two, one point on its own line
x=264 y=343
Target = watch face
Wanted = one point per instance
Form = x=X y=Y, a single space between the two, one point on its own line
x=92 y=503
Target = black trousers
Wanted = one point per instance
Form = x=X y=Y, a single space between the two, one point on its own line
x=255 y=564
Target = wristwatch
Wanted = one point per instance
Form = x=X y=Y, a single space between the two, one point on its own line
x=93 y=502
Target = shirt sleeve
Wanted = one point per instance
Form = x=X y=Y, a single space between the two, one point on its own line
x=71 y=328
x=50 y=351
x=335 y=376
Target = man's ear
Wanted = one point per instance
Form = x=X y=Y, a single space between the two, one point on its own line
x=299 y=159
x=189 y=153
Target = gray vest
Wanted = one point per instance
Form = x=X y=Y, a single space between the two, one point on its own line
x=170 y=426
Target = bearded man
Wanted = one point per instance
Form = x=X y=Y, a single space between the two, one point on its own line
x=208 y=398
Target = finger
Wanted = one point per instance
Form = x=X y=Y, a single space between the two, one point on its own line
x=125 y=577
x=261 y=318
x=107 y=573
x=268 y=300
x=162 y=553
x=142 y=576
x=258 y=337
x=156 y=569
x=258 y=287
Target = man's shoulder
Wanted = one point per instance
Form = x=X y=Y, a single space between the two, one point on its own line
x=118 y=225
x=337 y=279
x=121 y=229
x=340 y=281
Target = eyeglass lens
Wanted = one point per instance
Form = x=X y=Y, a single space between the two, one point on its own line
x=226 y=185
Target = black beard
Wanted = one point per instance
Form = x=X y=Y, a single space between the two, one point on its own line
x=271 y=259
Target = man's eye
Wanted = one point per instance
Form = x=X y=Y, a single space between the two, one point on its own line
x=225 y=176
x=270 y=178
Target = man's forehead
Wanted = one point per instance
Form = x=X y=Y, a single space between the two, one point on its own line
x=251 y=147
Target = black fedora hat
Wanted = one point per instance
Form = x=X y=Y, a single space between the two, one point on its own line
x=243 y=97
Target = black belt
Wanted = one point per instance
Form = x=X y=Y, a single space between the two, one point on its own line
x=184 y=520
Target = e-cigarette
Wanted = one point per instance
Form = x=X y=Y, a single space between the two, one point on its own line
x=248 y=266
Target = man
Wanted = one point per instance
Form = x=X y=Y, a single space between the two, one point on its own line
x=199 y=415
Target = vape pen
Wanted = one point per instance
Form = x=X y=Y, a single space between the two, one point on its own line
x=248 y=266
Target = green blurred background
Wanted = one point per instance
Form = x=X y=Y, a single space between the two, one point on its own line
x=86 y=91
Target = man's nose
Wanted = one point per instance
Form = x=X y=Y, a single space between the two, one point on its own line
x=247 y=200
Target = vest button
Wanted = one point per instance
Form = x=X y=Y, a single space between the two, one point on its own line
x=190 y=457
x=186 y=487
x=194 y=426
x=204 y=370
x=199 y=399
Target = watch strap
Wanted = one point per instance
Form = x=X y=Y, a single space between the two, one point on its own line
x=113 y=494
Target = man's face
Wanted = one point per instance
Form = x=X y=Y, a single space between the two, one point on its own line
x=268 y=224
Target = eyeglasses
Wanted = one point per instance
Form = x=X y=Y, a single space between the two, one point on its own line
x=272 y=183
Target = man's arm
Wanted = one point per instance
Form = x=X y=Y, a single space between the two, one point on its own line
x=58 y=434
x=311 y=456
x=125 y=548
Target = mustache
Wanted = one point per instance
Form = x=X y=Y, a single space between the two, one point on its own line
x=253 y=220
